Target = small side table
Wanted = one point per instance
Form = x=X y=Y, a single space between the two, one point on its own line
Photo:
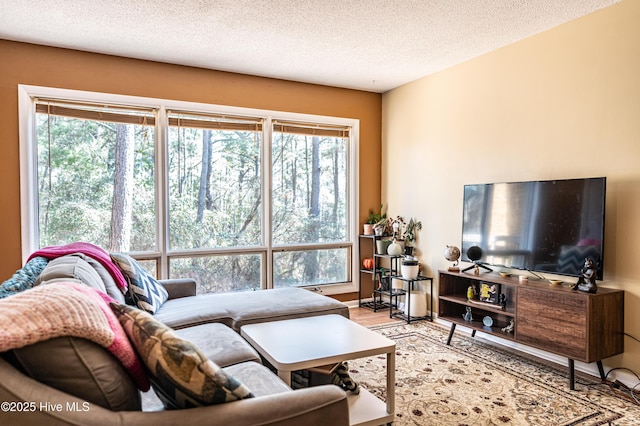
x=407 y=317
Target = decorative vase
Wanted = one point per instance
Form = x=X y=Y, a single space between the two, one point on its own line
x=368 y=229
x=382 y=246
x=394 y=249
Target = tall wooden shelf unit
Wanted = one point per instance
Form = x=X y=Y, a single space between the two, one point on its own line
x=579 y=326
x=367 y=281
x=390 y=265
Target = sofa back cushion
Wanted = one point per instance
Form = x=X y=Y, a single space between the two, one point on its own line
x=80 y=368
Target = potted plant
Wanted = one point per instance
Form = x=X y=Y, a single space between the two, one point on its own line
x=409 y=234
x=409 y=269
x=382 y=244
x=380 y=227
x=384 y=280
x=397 y=225
x=373 y=219
x=396 y=248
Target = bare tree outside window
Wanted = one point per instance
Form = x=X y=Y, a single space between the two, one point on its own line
x=88 y=170
x=122 y=208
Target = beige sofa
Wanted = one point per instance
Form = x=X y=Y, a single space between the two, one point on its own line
x=96 y=390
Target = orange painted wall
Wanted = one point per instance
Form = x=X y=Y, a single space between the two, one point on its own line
x=30 y=64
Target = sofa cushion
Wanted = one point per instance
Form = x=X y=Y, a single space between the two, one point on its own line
x=279 y=304
x=194 y=310
x=180 y=373
x=71 y=267
x=81 y=368
x=220 y=344
x=147 y=293
x=259 y=378
x=238 y=309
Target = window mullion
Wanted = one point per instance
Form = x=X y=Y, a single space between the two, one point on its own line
x=267 y=210
x=162 y=200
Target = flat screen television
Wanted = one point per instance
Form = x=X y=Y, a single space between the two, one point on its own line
x=540 y=226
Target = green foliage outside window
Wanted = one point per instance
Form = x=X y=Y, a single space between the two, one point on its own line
x=215 y=198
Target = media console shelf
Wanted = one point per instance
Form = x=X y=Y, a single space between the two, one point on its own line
x=580 y=326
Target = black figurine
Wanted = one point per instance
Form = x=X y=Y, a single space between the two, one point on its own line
x=587 y=280
x=502 y=300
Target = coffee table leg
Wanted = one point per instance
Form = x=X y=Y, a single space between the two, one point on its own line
x=391 y=382
x=285 y=376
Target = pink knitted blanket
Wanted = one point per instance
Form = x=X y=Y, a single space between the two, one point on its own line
x=88 y=249
x=67 y=309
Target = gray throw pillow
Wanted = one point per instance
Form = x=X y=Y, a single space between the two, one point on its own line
x=71 y=267
x=107 y=279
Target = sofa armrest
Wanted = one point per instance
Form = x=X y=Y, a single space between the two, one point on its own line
x=316 y=406
x=179 y=287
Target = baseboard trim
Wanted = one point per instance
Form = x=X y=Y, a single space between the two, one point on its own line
x=355 y=303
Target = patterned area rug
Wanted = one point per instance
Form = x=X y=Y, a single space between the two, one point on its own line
x=475 y=383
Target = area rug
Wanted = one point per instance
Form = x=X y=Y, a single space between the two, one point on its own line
x=476 y=383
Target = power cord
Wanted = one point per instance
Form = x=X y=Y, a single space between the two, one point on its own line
x=633 y=337
x=619 y=386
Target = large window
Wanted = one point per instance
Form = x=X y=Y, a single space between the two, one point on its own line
x=309 y=203
x=90 y=160
x=238 y=199
x=215 y=199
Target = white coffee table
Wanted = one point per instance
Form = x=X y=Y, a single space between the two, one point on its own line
x=304 y=343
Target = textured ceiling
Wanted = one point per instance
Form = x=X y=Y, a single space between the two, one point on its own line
x=372 y=45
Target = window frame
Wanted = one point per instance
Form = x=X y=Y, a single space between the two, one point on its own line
x=29 y=171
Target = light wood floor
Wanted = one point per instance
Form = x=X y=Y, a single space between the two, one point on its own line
x=367 y=318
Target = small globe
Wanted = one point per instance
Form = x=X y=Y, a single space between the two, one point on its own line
x=452 y=253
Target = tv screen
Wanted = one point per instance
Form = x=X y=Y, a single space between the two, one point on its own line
x=541 y=226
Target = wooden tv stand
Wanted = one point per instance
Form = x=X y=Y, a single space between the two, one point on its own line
x=580 y=326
